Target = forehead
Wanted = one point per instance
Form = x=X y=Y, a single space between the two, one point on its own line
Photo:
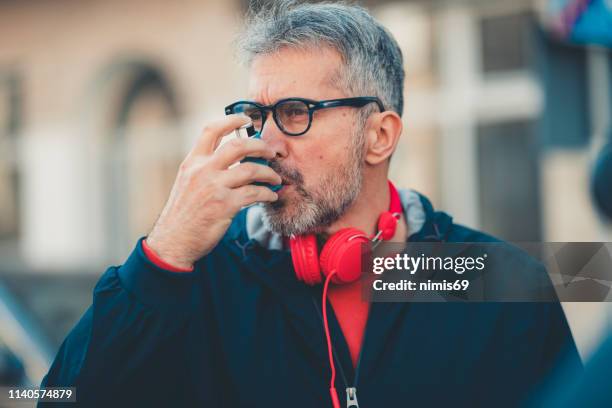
x=291 y=72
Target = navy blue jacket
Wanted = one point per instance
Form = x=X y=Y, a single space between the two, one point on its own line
x=241 y=331
x=588 y=389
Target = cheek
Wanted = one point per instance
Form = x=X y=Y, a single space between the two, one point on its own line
x=323 y=153
x=312 y=162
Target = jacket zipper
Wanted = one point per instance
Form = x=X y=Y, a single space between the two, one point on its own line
x=351 y=392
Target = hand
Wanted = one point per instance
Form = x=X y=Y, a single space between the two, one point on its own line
x=207 y=194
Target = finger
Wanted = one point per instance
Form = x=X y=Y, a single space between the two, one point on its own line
x=214 y=131
x=250 y=194
x=237 y=149
x=247 y=173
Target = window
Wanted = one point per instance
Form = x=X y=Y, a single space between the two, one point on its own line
x=565 y=122
x=10 y=110
x=509 y=180
x=505 y=42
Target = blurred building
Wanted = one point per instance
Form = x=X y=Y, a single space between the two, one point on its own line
x=99 y=102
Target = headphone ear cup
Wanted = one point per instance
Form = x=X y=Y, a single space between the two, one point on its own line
x=342 y=253
x=305 y=257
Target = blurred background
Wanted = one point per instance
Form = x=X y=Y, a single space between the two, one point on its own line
x=507 y=106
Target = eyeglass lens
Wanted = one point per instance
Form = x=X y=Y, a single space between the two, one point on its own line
x=291 y=116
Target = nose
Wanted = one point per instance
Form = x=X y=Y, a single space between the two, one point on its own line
x=275 y=138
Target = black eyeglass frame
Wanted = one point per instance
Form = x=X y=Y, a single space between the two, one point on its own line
x=356 y=102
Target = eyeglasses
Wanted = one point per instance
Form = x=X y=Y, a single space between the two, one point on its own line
x=294 y=115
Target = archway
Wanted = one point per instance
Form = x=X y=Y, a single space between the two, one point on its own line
x=137 y=117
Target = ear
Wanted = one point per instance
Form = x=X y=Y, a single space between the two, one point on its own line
x=382 y=135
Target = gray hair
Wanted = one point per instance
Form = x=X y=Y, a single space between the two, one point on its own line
x=372 y=59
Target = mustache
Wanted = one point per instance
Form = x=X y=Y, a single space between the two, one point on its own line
x=289 y=176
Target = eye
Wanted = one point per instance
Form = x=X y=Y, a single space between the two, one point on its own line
x=254 y=114
x=294 y=111
x=297 y=112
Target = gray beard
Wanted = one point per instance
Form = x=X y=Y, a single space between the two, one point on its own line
x=313 y=211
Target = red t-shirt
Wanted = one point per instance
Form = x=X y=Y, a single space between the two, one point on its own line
x=352 y=314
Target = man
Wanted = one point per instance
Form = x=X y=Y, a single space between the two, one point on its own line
x=207 y=311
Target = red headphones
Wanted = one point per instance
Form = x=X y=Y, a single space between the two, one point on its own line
x=342 y=251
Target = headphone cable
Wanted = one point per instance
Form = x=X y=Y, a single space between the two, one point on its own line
x=332 y=387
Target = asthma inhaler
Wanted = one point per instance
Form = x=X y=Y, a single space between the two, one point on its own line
x=250 y=131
